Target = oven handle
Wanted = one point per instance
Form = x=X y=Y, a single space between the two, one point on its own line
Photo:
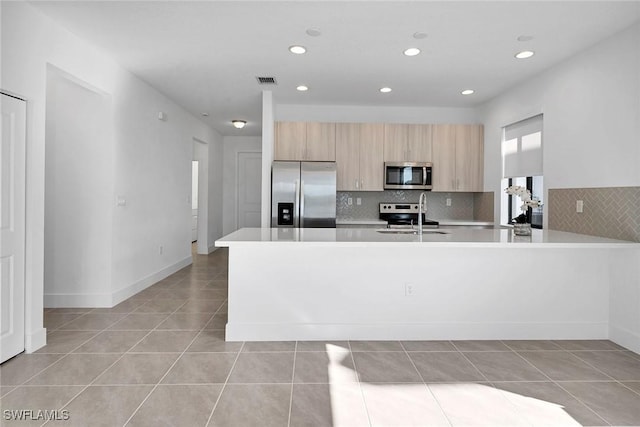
x=424 y=175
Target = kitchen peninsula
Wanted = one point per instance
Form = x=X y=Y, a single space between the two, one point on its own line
x=338 y=284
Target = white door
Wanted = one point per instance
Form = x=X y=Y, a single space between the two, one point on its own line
x=194 y=201
x=249 y=189
x=12 y=226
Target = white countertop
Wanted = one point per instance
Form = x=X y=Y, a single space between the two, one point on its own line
x=454 y=237
x=451 y=222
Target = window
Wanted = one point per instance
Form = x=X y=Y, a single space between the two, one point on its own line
x=522 y=165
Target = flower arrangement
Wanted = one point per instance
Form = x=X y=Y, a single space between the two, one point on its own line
x=527 y=201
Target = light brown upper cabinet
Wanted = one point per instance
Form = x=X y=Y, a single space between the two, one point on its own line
x=458 y=157
x=407 y=143
x=305 y=141
x=359 y=156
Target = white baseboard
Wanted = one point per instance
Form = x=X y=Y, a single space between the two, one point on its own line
x=109 y=300
x=130 y=290
x=35 y=340
x=625 y=338
x=77 y=300
x=415 y=331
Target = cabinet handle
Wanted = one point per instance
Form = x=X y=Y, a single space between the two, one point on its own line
x=361 y=184
x=355 y=183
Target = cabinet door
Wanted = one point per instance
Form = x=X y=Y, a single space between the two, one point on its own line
x=347 y=156
x=444 y=157
x=371 y=157
x=419 y=143
x=469 y=157
x=395 y=142
x=290 y=141
x=321 y=142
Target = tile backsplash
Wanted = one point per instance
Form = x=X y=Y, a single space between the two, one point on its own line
x=612 y=212
x=462 y=204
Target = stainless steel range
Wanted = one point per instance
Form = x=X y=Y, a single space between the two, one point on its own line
x=404 y=214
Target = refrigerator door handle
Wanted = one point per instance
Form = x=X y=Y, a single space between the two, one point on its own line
x=301 y=203
x=296 y=207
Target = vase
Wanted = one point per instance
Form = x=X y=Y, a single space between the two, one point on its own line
x=522 y=229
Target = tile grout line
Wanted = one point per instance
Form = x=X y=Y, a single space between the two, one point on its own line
x=355 y=368
x=226 y=381
x=293 y=373
x=172 y=365
x=444 y=414
x=116 y=361
x=453 y=343
x=565 y=390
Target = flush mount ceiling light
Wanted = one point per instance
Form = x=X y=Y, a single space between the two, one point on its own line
x=525 y=38
x=467 y=92
x=302 y=88
x=524 y=54
x=412 y=51
x=298 y=50
x=313 y=32
x=238 y=124
x=385 y=89
x=419 y=35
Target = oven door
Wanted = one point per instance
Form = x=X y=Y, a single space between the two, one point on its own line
x=407 y=176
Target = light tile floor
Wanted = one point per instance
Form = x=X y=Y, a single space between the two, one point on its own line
x=159 y=358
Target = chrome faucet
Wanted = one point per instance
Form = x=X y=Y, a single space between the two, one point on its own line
x=422 y=203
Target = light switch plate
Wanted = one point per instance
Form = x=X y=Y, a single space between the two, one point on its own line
x=579 y=206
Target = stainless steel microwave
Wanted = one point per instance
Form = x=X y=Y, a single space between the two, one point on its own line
x=407 y=175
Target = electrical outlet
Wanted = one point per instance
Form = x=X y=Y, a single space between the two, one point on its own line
x=349 y=201
x=358 y=201
x=448 y=201
x=409 y=289
x=579 y=206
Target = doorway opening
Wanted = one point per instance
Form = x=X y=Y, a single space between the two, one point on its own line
x=200 y=197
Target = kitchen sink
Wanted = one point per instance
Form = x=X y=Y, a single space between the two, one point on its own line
x=408 y=231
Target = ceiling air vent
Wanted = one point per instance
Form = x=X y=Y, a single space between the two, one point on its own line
x=267 y=80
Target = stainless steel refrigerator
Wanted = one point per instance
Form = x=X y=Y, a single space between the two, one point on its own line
x=303 y=194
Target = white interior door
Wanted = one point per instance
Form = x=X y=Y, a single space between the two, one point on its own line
x=194 y=201
x=249 y=189
x=12 y=226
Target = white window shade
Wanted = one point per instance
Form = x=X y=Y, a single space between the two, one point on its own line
x=522 y=148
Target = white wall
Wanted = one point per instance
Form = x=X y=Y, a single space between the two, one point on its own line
x=233 y=145
x=152 y=158
x=268 y=119
x=78 y=191
x=591 y=107
x=216 y=200
x=373 y=114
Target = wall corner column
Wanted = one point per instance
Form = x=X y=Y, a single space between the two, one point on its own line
x=267 y=155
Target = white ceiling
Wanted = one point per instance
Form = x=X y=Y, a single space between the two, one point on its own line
x=205 y=55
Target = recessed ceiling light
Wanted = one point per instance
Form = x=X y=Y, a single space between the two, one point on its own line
x=238 y=124
x=525 y=38
x=298 y=50
x=467 y=91
x=385 y=89
x=419 y=35
x=302 y=88
x=412 y=51
x=524 y=54
x=314 y=32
